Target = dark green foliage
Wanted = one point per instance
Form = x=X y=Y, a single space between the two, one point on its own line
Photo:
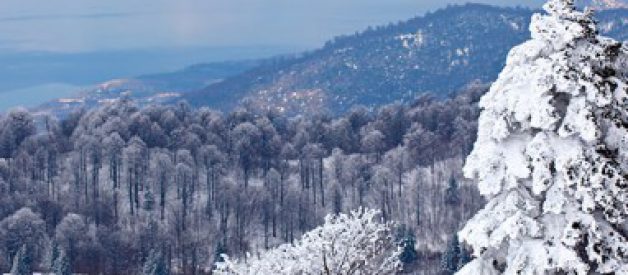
x=409 y=254
x=449 y=260
x=454 y=257
x=465 y=257
x=406 y=239
x=149 y=239
x=451 y=194
x=22 y=262
x=61 y=265
x=149 y=201
x=54 y=254
x=220 y=251
x=155 y=264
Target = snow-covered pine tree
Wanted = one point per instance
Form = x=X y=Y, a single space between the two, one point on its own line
x=552 y=154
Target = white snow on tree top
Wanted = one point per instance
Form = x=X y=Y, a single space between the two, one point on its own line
x=552 y=153
x=355 y=243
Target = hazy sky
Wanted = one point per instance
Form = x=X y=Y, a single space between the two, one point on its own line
x=96 y=25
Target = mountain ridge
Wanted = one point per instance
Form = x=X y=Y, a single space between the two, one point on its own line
x=438 y=53
x=604 y=4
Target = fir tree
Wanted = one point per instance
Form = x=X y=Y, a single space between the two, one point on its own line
x=451 y=193
x=407 y=242
x=61 y=264
x=219 y=252
x=22 y=262
x=451 y=256
x=552 y=154
x=155 y=264
x=149 y=201
x=54 y=254
x=463 y=258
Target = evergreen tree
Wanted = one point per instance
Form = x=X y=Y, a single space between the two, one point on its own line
x=155 y=264
x=451 y=256
x=54 y=254
x=149 y=201
x=552 y=154
x=463 y=258
x=219 y=253
x=408 y=254
x=451 y=194
x=407 y=241
x=61 y=264
x=22 y=262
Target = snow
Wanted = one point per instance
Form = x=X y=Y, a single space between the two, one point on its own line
x=513 y=25
x=551 y=153
x=476 y=267
x=412 y=40
x=355 y=243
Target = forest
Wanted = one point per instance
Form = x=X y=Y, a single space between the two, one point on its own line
x=119 y=187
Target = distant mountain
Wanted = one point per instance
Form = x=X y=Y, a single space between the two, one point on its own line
x=438 y=53
x=146 y=89
x=604 y=4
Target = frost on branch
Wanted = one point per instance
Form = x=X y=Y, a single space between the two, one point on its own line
x=552 y=153
x=355 y=243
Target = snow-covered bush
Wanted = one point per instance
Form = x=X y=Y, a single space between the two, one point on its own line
x=552 y=154
x=355 y=243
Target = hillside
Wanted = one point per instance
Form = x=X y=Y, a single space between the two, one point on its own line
x=438 y=53
x=603 y=4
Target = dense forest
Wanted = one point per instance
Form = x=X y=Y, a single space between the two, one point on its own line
x=121 y=187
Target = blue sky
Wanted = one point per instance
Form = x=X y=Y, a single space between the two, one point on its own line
x=71 y=26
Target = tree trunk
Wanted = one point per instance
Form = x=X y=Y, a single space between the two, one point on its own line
x=320 y=180
x=130 y=184
x=162 y=197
